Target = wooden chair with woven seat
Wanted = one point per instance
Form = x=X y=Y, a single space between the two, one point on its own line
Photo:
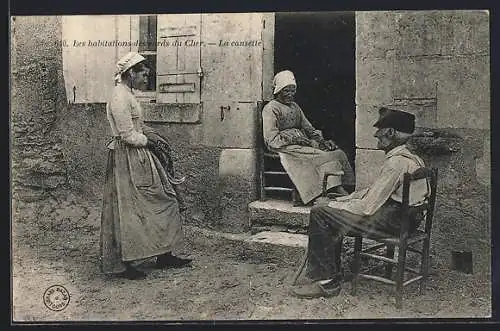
x=273 y=179
x=405 y=242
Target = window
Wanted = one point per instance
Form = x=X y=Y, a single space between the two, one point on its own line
x=166 y=41
x=144 y=30
x=147 y=46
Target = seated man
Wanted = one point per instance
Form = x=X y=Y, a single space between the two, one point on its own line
x=373 y=211
x=305 y=155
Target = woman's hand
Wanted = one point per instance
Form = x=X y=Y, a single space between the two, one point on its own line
x=314 y=144
x=303 y=141
x=295 y=137
x=330 y=145
x=150 y=144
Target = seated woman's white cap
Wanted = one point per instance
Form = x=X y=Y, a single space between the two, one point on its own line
x=282 y=79
x=126 y=62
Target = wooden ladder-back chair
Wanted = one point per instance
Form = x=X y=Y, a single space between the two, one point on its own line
x=273 y=179
x=405 y=242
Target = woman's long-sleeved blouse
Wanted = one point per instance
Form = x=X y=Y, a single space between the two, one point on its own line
x=286 y=125
x=125 y=117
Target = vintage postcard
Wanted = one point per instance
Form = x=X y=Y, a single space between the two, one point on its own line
x=251 y=166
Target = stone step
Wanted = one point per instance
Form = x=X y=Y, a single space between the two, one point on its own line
x=281 y=248
x=278 y=213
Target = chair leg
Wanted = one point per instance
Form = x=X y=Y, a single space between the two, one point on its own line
x=424 y=266
x=262 y=185
x=358 y=244
x=303 y=262
x=389 y=254
x=400 y=275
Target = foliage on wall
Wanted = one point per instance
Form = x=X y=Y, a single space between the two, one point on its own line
x=434 y=142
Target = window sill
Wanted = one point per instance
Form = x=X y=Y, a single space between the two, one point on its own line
x=172 y=112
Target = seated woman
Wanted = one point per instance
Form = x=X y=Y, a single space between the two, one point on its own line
x=305 y=155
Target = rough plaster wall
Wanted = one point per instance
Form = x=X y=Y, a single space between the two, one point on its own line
x=38 y=99
x=463 y=208
x=199 y=164
x=84 y=132
x=220 y=181
x=434 y=64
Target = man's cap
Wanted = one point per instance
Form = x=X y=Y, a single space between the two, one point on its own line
x=396 y=119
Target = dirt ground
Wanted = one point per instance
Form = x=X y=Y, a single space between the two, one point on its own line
x=57 y=242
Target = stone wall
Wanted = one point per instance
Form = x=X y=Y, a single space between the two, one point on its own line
x=38 y=99
x=434 y=64
x=84 y=131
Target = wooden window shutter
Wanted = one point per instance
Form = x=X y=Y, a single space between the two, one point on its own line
x=178 y=58
x=88 y=64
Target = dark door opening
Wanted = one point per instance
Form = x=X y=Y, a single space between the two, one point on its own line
x=320 y=50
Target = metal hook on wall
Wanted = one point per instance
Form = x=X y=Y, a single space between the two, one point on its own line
x=222 y=109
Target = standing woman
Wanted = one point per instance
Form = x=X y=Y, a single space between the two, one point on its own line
x=140 y=216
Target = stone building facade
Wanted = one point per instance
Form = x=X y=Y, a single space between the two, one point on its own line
x=432 y=63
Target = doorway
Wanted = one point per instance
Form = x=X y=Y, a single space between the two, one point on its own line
x=319 y=48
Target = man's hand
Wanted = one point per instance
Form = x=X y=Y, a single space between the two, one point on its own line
x=322 y=201
x=343 y=198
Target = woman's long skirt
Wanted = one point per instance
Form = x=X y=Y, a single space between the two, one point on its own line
x=307 y=166
x=140 y=216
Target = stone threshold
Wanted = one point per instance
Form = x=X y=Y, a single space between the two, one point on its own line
x=282 y=248
x=278 y=215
